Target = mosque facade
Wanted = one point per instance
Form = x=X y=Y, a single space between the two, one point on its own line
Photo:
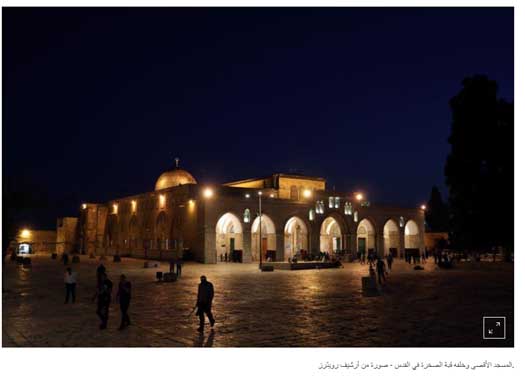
x=300 y=218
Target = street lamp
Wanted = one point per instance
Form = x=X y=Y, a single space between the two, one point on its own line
x=208 y=192
x=359 y=196
x=423 y=207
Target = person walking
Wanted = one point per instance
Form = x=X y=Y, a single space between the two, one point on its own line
x=70 y=280
x=179 y=267
x=103 y=296
x=205 y=295
x=101 y=269
x=124 y=298
x=381 y=271
x=389 y=261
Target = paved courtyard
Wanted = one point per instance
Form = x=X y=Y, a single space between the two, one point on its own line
x=313 y=308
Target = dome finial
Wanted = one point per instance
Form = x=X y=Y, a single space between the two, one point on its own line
x=177 y=162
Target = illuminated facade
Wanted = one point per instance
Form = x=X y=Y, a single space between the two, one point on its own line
x=300 y=217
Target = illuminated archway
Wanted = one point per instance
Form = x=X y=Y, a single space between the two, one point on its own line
x=391 y=238
x=330 y=236
x=411 y=235
x=365 y=236
x=228 y=234
x=267 y=241
x=295 y=237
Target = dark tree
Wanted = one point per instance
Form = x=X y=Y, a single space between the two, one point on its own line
x=436 y=215
x=479 y=168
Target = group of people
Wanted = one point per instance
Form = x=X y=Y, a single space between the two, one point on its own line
x=104 y=290
x=378 y=264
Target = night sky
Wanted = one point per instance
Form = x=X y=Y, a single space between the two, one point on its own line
x=97 y=103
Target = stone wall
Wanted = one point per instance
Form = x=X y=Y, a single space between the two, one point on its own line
x=67 y=235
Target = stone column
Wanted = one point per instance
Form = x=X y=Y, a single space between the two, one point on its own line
x=247 y=244
x=315 y=242
x=402 y=242
x=380 y=244
x=353 y=243
x=210 y=252
x=279 y=245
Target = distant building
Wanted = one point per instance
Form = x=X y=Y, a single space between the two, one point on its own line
x=299 y=217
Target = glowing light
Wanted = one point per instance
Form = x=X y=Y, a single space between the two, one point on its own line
x=208 y=192
x=115 y=208
x=307 y=193
x=25 y=233
x=162 y=201
x=247 y=196
x=423 y=207
x=84 y=206
x=359 y=196
x=272 y=196
x=259 y=193
x=133 y=206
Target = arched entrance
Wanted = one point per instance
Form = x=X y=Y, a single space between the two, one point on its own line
x=391 y=238
x=295 y=237
x=330 y=236
x=365 y=236
x=411 y=235
x=267 y=241
x=228 y=235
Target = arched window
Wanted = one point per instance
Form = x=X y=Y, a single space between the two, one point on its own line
x=356 y=217
x=311 y=215
x=401 y=221
x=331 y=202
x=294 y=194
x=246 y=216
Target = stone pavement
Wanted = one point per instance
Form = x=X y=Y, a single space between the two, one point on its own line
x=313 y=308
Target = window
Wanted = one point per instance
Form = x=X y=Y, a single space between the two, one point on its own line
x=348 y=208
x=294 y=194
x=246 y=216
x=401 y=221
x=311 y=215
x=331 y=202
x=321 y=207
x=337 y=203
x=356 y=217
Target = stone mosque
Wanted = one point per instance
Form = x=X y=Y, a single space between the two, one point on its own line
x=184 y=218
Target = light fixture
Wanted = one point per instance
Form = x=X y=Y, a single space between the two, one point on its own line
x=272 y=196
x=84 y=205
x=208 y=192
x=162 y=201
x=247 y=196
x=423 y=207
x=115 y=208
x=259 y=193
x=359 y=196
x=133 y=206
x=25 y=233
x=307 y=193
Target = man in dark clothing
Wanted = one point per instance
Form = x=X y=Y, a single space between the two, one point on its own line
x=124 y=298
x=380 y=271
x=179 y=267
x=204 y=300
x=172 y=265
x=101 y=269
x=390 y=260
x=104 y=299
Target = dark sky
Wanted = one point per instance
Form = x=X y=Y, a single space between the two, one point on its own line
x=98 y=102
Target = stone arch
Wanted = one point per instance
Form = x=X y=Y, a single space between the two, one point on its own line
x=365 y=235
x=268 y=240
x=331 y=235
x=228 y=234
x=391 y=238
x=295 y=237
x=161 y=231
x=411 y=235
